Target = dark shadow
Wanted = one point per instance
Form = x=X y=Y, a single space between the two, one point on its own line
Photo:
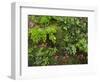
x=10 y=77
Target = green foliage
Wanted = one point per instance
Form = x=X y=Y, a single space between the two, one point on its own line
x=54 y=40
x=40 y=34
x=41 y=56
x=71 y=49
x=37 y=34
x=44 y=19
x=82 y=45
